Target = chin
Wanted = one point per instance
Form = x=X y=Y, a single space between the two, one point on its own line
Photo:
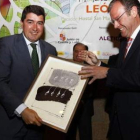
x=34 y=40
x=79 y=61
x=123 y=35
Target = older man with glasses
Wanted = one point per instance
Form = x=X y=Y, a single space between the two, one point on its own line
x=125 y=77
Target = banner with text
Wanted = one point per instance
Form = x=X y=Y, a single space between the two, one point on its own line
x=67 y=22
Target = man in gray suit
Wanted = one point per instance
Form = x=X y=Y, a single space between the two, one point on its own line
x=17 y=121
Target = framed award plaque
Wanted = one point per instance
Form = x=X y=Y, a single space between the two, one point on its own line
x=56 y=92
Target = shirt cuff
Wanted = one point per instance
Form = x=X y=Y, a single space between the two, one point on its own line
x=19 y=109
x=99 y=64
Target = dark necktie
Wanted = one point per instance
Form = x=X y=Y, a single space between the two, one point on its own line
x=35 y=61
x=128 y=45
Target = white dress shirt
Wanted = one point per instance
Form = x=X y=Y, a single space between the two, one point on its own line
x=21 y=107
x=133 y=36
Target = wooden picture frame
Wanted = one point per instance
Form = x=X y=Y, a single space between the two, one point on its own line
x=56 y=92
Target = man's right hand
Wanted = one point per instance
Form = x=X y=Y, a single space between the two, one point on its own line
x=89 y=57
x=31 y=117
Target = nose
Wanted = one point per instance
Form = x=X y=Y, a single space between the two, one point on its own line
x=116 y=24
x=35 y=26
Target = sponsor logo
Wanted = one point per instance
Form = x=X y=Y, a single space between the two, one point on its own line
x=109 y=38
x=62 y=37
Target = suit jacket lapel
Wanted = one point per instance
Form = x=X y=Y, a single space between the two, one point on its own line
x=121 y=53
x=44 y=53
x=134 y=46
x=24 y=53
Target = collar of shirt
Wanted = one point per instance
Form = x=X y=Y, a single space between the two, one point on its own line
x=31 y=49
x=133 y=36
x=135 y=32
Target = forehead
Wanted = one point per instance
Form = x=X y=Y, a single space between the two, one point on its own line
x=116 y=9
x=79 y=47
x=33 y=16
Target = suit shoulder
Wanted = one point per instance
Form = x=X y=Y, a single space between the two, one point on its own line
x=48 y=48
x=10 y=36
x=9 y=39
x=48 y=45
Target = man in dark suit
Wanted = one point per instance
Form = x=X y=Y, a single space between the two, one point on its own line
x=125 y=78
x=17 y=121
x=112 y=64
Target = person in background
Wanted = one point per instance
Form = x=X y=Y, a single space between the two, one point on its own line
x=125 y=78
x=83 y=117
x=78 y=47
x=17 y=71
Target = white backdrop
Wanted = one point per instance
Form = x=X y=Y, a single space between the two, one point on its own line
x=68 y=22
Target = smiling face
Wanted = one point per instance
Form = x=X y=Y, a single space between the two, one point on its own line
x=128 y=22
x=33 y=27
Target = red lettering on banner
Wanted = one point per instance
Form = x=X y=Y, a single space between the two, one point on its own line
x=97 y=8
x=87 y=9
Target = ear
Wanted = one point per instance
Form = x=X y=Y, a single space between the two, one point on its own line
x=21 y=24
x=134 y=11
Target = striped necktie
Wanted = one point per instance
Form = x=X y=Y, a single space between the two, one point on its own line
x=34 y=57
x=128 y=45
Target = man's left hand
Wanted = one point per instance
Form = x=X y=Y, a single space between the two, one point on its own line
x=95 y=72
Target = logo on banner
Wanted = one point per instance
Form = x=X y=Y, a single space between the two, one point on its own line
x=62 y=37
x=110 y=38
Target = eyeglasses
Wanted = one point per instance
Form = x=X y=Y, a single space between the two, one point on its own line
x=113 y=20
